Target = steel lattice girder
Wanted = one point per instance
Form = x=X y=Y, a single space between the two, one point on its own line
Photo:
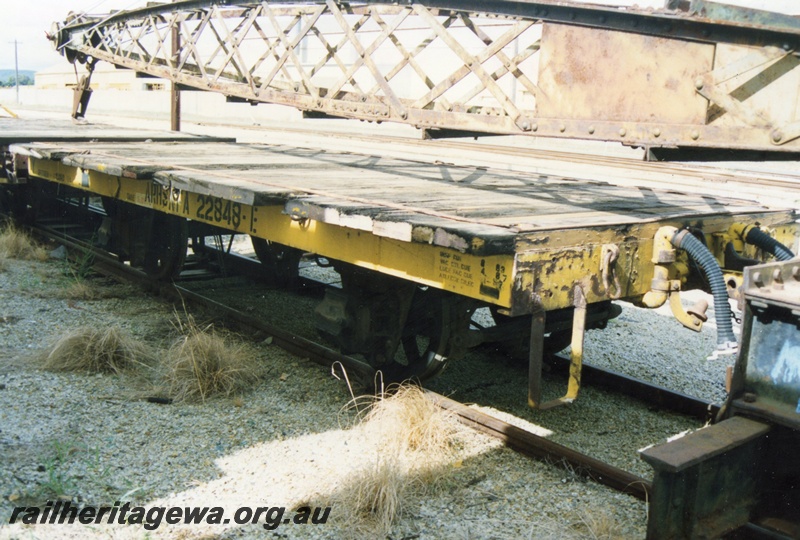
x=667 y=79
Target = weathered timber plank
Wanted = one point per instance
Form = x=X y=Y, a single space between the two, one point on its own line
x=225 y=188
x=469 y=209
x=21 y=130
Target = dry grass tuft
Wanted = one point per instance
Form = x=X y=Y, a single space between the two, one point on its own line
x=17 y=244
x=411 y=421
x=415 y=441
x=79 y=290
x=97 y=350
x=599 y=526
x=204 y=363
x=374 y=498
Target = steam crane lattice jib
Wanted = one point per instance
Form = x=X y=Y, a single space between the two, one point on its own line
x=695 y=75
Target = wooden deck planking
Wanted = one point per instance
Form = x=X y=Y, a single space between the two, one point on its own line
x=226 y=188
x=22 y=130
x=142 y=160
x=456 y=199
x=402 y=199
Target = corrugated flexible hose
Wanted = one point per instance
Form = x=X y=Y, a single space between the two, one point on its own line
x=757 y=237
x=700 y=254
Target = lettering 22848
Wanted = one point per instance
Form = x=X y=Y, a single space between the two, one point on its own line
x=219 y=210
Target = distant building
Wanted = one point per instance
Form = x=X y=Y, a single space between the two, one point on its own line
x=105 y=77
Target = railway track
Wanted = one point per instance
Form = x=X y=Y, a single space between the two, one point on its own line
x=567 y=238
x=513 y=436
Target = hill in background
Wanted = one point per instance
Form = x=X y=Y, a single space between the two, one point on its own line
x=7 y=77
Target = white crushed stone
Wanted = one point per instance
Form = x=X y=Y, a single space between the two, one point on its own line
x=284 y=444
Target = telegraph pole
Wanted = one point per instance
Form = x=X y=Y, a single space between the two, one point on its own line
x=16 y=70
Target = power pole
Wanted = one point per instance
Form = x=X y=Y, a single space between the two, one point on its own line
x=16 y=70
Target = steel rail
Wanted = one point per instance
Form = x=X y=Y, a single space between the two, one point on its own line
x=650 y=393
x=516 y=438
x=540 y=448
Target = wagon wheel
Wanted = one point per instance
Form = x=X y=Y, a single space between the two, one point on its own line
x=13 y=201
x=557 y=341
x=517 y=336
x=168 y=240
x=432 y=336
x=517 y=342
x=281 y=263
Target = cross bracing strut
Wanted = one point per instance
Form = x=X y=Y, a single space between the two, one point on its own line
x=700 y=75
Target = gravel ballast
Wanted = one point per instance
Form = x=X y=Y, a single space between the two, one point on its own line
x=290 y=440
x=93 y=439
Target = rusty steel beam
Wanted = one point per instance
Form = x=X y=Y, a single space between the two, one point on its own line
x=706 y=21
x=175 y=92
x=543 y=449
x=702 y=76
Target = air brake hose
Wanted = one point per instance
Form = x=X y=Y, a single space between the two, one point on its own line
x=700 y=254
x=761 y=239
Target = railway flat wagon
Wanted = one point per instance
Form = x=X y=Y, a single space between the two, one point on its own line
x=419 y=246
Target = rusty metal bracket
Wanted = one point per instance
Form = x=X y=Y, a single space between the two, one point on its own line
x=785 y=134
x=535 y=357
x=689 y=320
x=82 y=93
x=576 y=355
x=608 y=268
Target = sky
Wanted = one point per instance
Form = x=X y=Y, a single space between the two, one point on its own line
x=27 y=21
